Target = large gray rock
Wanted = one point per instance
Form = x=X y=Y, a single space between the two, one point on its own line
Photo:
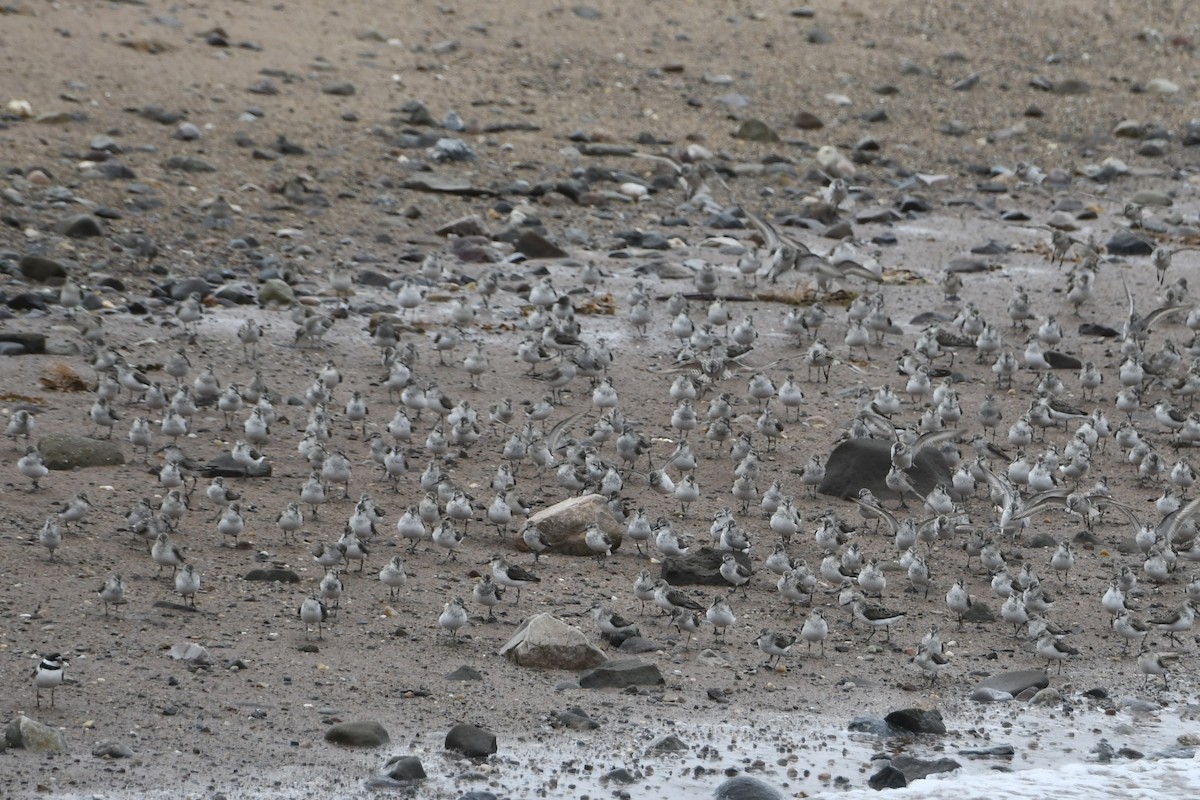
x=404 y=768
x=864 y=463
x=744 y=787
x=65 y=451
x=1015 y=682
x=565 y=524
x=30 y=734
x=621 y=675
x=700 y=567
x=358 y=734
x=917 y=768
x=546 y=642
x=917 y=720
x=471 y=740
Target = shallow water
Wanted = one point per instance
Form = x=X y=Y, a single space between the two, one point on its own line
x=1056 y=754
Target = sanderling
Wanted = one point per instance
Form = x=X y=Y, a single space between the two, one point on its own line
x=31 y=466
x=1175 y=622
x=876 y=616
x=736 y=573
x=488 y=594
x=112 y=592
x=1052 y=649
x=187 y=583
x=720 y=615
x=166 y=553
x=612 y=625
x=50 y=536
x=48 y=674
x=775 y=645
x=290 y=520
x=1151 y=663
x=313 y=612
x=512 y=575
x=815 y=629
x=453 y=617
x=930 y=661
x=332 y=588
x=393 y=576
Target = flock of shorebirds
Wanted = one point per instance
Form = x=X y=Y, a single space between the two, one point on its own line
x=570 y=429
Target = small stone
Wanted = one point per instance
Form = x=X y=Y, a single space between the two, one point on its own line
x=534 y=245
x=357 y=734
x=917 y=720
x=586 y=12
x=755 y=130
x=275 y=292
x=188 y=132
x=1153 y=148
x=1046 y=697
x=43 y=269
x=744 y=787
x=985 y=695
x=1161 y=86
x=1147 y=197
x=404 y=768
x=111 y=750
x=966 y=84
x=192 y=653
x=338 y=88
x=272 y=576
x=62 y=451
x=669 y=743
x=819 y=36
x=807 y=121
x=465 y=673
x=189 y=164
x=471 y=740
x=1128 y=129
x=576 y=719
x=79 y=226
x=29 y=734
x=1126 y=243
x=470 y=225
x=887 y=778
x=621 y=675
x=1016 y=682
x=448 y=150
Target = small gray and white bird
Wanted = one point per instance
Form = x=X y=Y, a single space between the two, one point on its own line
x=332 y=588
x=814 y=630
x=512 y=575
x=453 y=617
x=20 y=424
x=313 y=612
x=290 y=520
x=31 y=466
x=775 y=645
x=488 y=595
x=394 y=576
x=187 y=583
x=48 y=674
x=112 y=593
x=1151 y=663
x=735 y=573
x=720 y=615
x=930 y=661
x=50 y=536
x=1053 y=649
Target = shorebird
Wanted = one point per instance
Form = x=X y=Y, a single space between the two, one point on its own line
x=187 y=583
x=313 y=612
x=393 y=576
x=815 y=629
x=488 y=595
x=930 y=661
x=453 y=617
x=32 y=466
x=50 y=535
x=720 y=615
x=775 y=645
x=112 y=592
x=48 y=674
x=1156 y=664
x=1053 y=649
x=512 y=575
x=876 y=616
